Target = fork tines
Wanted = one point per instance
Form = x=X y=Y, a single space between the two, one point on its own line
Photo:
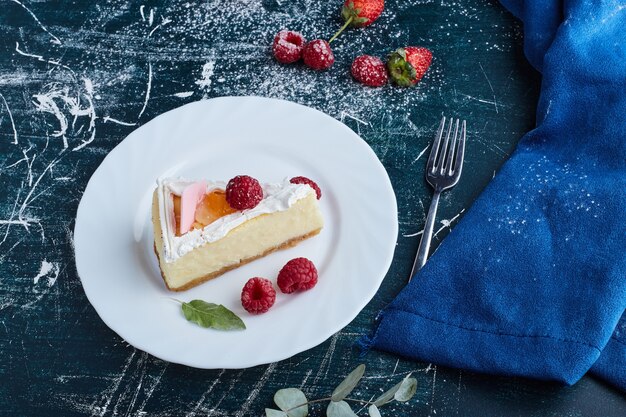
x=447 y=160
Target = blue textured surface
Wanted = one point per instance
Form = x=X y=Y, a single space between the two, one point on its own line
x=532 y=281
x=76 y=77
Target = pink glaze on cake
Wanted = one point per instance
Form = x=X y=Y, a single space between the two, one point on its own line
x=189 y=200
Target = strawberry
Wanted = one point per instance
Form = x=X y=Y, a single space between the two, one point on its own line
x=408 y=65
x=359 y=13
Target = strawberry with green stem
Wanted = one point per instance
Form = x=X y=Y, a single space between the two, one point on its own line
x=408 y=65
x=359 y=13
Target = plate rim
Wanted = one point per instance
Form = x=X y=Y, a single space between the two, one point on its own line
x=287 y=353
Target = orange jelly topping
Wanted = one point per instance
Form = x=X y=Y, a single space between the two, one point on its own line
x=212 y=207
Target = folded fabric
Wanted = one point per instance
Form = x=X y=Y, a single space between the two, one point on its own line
x=532 y=281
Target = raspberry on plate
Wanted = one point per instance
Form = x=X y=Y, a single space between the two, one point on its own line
x=258 y=295
x=318 y=55
x=287 y=47
x=243 y=192
x=369 y=70
x=299 y=274
x=305 y=180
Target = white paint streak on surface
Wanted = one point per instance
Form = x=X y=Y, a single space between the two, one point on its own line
x=50 y=270
x=112 y=389
x=192 y=413
x=22 y=219
x=480 y=100
x=495 y=102
x=446 y=223
x=327 y=358
x=205 y=79
x=106 y=119
x=183 y=94
x=256 y=390
x=10 y=118
x=414 y=234
x=40 y=58
x=214 y=411
x=29 y=164
x=45 y=102
x=345 y=114
x=164 y=21
x=88 y=111
x=420 y=154
x=56 y=99
x=434 y=386
x=148 y=88
x=54 y=40
x=141 y=370
x=306 y=378
x=150 y=391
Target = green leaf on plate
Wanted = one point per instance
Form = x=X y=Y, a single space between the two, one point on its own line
x=373 y=411
x=214 y=316
x=269 y=412
x=288 y=398
x=339 y=409
x=407 y=390
x=348 y=384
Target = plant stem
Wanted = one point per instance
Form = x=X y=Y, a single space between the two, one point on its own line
x=308 y=402
x=354 y=400
x=342 y=29
x=358 y=401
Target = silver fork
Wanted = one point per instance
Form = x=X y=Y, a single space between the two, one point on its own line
x=443 y=171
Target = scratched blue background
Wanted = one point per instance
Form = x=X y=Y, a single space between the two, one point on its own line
x=76 y=77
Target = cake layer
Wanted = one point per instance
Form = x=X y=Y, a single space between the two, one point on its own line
x=250 y=240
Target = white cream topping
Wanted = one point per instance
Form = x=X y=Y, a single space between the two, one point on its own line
x=276 y=197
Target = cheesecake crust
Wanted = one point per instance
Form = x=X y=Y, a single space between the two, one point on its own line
x=288 y=244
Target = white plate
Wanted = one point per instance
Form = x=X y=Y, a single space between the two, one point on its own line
x=218 y=139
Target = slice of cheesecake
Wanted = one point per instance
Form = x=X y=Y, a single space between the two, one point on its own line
x=199 y=236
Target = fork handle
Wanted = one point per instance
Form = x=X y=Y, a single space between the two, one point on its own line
x=427 y=235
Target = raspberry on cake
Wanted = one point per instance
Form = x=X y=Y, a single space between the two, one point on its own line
x=305 y=180
x=243 y=192
x=199 y=235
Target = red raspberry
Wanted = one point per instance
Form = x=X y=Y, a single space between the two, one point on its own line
x=318 y=55
x=243 y=192
x=288 y=46
x=369 y=70
x=258 y=295
x=305 y=180
x=298 y=274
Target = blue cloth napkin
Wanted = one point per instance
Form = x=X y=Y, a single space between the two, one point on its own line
x=532 y=281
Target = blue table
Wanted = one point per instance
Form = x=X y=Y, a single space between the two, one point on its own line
x=76 y=77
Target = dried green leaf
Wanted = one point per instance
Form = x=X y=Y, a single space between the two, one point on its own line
x=339 y=409
x=288 y=398
x=348 y=384
x=373 y=411
x=269 y=412
x=388 y=395
x=407 y=390
x=211 y=315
